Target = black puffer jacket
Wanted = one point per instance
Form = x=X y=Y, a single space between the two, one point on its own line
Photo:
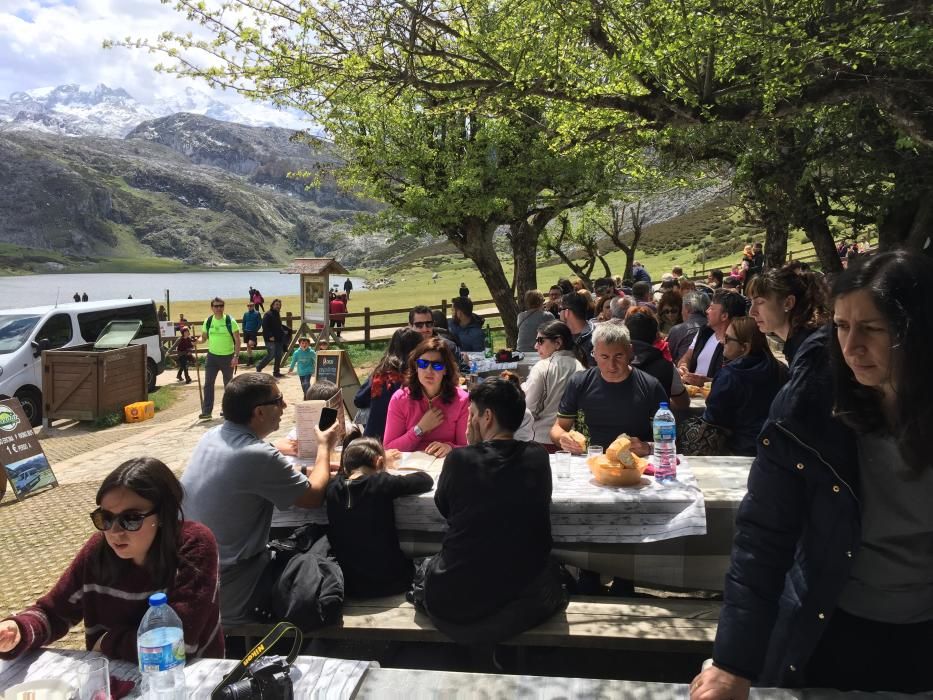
x=797 y=531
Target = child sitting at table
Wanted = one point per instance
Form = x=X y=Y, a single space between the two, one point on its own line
x=144 y=546
x=362 y=520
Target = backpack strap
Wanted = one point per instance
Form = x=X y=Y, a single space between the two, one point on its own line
x=207 y=325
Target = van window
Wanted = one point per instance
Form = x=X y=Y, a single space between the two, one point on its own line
x=92 y=323
x=57 y=330
x=15 y=330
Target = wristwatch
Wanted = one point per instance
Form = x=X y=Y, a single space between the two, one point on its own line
x=417 y=431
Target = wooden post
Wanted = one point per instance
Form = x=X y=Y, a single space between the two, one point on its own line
x=366 y=330
x=444 y=307
x=288 y=321
x=168 y=304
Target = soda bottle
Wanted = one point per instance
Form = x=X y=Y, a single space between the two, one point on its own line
x=665 y=448
x=160 y=643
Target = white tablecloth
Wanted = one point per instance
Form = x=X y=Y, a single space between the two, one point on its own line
x=312 y=676
x=582 y=511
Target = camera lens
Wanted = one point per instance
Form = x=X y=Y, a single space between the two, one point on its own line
x=241 y=690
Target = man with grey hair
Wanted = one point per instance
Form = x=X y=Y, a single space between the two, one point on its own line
x=694 y=315
x=611 y=398
x=619 y=305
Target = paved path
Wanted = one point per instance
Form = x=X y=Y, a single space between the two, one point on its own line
x=40 y=535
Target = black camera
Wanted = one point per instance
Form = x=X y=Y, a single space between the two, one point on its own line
x=266 y=679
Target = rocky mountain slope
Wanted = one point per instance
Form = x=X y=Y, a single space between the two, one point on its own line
x=185 y=187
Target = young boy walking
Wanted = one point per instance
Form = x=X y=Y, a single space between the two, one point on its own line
x=305 y=358
x=185 y=349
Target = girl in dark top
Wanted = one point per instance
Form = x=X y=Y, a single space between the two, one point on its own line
x=386 y=379
x=362 y=520
x=791 y=303
x=745 y=386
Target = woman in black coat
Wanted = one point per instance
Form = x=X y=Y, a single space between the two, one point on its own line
x=831 y=580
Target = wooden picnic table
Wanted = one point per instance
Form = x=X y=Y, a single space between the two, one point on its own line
x=674 y=537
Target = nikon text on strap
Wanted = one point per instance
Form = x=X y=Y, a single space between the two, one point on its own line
x=261 y=649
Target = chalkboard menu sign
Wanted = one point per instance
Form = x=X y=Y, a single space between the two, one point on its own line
x=334 y=366
x=23 y=462
x=328 y=367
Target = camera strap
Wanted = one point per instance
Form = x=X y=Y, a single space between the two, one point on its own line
x=261 y=649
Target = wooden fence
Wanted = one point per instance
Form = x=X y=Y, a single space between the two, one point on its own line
x=803 y=255
x=367 y=326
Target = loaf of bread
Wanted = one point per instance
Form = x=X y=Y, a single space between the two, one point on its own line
x=619 y=452
x=578 y=438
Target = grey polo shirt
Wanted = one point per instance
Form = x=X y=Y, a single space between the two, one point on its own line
x=231 y=483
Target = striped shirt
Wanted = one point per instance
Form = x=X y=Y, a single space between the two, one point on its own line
x=112 y=613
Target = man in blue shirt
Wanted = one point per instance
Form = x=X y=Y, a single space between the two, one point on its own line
x=252 y=323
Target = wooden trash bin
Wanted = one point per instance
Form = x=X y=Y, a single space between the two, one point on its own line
x=89 y=381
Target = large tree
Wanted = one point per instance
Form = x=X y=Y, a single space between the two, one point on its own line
x=460 y=171
x=605 y=68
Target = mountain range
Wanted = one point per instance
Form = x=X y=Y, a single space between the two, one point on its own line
x=90 y=173
x=76 y=110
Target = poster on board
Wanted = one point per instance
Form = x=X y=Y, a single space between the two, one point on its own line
x=24 y=463
x=335 y=366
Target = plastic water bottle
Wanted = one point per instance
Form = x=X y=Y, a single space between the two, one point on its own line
x=665 y=445
x=161 y=646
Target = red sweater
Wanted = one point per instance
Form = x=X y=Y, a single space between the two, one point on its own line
x=117 y=610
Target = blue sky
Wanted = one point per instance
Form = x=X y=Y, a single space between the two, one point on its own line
x=53 y=42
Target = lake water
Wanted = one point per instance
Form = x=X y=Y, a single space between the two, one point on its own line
x=36 y=290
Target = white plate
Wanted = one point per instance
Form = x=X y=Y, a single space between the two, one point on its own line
x=41 y=690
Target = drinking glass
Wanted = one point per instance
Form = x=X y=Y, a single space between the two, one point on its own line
x=562 y=462
x=95 y=679
x=594 y=451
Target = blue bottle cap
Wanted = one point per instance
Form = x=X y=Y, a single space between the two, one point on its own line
x=157 y=599
x=664 y=404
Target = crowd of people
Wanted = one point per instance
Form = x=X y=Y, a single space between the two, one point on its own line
x=825 y=389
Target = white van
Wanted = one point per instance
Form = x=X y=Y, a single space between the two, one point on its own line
x=25 y=333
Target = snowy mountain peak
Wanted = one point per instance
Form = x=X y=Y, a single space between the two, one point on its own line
x=99 y=110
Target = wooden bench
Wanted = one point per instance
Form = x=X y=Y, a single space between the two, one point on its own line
x=675 y=625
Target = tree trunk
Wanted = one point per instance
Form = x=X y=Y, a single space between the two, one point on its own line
x=775 y=240
x=475 y=240
x=816 y=226
x=524 y=240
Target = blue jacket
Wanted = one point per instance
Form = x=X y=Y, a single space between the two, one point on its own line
x=470 y=338
x=741 y=396
x=797 y=531
x=252 y=321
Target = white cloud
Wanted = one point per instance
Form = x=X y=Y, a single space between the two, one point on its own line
x=53 y=42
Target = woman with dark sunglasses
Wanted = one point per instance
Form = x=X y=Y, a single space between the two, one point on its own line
x=431 y=413
x=548 y=378
x=145 y=546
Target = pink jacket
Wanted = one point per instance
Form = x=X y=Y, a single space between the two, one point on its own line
x=404 y=413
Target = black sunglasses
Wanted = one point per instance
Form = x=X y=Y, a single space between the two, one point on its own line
x=130 y=521
x=278 y=400
x=730 y=339
x=423 y=324
x=217 y=306
x=540 y=339
x=436 y=366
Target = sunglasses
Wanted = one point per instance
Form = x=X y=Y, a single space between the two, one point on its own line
x=278 y=400
x=217 y=306
x=436 y=366
x=130 y=521
x=730 y=339
x=540 y=339
x=423 y=324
